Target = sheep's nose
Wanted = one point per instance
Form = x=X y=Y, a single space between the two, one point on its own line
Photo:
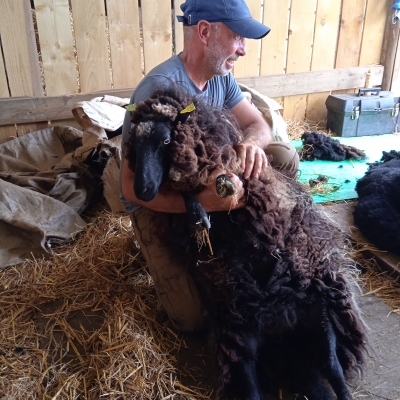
x=146 y=193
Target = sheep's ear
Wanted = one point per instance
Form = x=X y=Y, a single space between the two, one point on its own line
x=190 y=108
x=185 y=113
x=131 y=107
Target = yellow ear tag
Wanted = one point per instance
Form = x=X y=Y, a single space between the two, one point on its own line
x=131 y=107
x=191 y=107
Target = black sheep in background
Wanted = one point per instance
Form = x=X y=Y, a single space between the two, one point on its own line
x=279 y=290
x=377 y=213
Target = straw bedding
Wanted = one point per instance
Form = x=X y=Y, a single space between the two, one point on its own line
x=87 y=323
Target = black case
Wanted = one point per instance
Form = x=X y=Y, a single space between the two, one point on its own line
x=362 y=115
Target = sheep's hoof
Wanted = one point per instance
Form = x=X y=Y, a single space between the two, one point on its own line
x=199 y=222
x=225 y=187
x=198 y=218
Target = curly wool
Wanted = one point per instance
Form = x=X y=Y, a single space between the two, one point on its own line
x=203 y=143
x=274 y=262
x=320 y=147
x=279 y=278
x=377 y=213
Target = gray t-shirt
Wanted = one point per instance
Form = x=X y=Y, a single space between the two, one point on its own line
x=221 y=91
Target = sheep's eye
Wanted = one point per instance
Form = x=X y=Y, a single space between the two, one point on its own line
x=167 y=141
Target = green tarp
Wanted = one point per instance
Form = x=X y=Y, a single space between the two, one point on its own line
x=343 y=175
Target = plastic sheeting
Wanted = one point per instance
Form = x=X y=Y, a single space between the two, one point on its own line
x=343 y=175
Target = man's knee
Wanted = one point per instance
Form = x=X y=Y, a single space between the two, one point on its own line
x=284 y=157
x=174 y=285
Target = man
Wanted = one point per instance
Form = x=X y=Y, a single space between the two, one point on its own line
x=214 y=38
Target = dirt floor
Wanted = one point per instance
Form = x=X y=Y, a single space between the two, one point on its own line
x=381 y=377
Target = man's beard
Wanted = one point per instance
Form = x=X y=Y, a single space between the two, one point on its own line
x=218 y=62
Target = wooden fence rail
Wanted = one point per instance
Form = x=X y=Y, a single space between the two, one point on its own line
x=53 y=48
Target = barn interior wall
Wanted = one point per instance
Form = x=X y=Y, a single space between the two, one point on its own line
x=66 y=47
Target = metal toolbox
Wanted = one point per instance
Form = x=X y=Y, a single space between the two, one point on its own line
x=362 y=114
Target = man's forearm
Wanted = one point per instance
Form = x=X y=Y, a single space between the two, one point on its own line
x=259 y=133
x=171 y=201
x=167 y=201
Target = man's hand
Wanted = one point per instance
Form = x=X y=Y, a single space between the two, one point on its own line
x=252 y=159
x=210 y=200
x=257 y=135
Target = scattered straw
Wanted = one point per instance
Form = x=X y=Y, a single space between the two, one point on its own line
x=86 y=324
x=377 y=282
x=323 y=187
x=297 y=128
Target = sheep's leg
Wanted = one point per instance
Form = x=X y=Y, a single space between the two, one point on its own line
x=198 y=218
x=247 y=376
x=244 y=373
x=311 y=385
x=333 y=371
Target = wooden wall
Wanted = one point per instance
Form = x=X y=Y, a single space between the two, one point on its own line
x=53 y=48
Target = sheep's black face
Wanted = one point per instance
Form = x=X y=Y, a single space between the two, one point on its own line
x=151 y=141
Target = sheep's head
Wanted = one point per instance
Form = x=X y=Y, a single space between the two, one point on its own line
x=153 y=122
x=150 y=141
x=165 y=144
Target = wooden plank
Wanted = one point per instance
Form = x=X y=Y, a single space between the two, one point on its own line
x=316 y=108
x=395 y=82
x=325 y=36
x=157 y=32
x=91 y=44
x=350 y=34
x=178 y=26
x=124 y=32
x=313 y=81
x=248 y=65
x=374 y=28
x=19 y=46
x=7 y=133
x=56 y=45
x=48 y=108
x=66 y=122
x=274 y=45
x=301 y=30
x=32 y=109
x=10 y=132
x=324 y=51
x=389 y=47
x=28 y=128
x=3 y=79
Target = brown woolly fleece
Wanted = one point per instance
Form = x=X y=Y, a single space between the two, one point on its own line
x=279 y=289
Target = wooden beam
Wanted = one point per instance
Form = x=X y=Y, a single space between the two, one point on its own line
x=157 y=32
x=91 y=44
x=374 y=29
x=248 y=66
x=124 y=32
x=19 y=47
x=17 y=110
x=389 y=47
x=313 y=81
x=56 y=46
x=323 y=54
x=178 y=26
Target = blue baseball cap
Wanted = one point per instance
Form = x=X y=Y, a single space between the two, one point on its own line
x=233 y=13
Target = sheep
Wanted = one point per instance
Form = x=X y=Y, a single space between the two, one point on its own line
x=377 y=213
x=278 y=291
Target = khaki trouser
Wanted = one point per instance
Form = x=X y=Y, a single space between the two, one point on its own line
x=174 y=285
